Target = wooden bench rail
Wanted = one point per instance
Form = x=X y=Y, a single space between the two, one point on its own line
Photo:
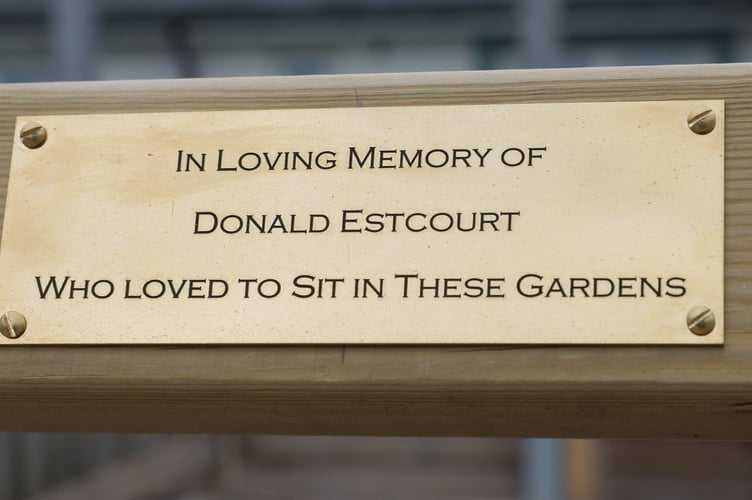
x=626 y=392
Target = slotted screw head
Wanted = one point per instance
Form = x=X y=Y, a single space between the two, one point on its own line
x=12 y=324
x=701 y=120
x=700 y=320
x=33 y=135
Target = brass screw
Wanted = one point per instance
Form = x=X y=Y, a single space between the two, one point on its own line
x=12 y=324
x=701 y=120
x=700 y=320
x=33 y=135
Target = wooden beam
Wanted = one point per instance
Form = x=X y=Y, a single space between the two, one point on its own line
x=628 y=392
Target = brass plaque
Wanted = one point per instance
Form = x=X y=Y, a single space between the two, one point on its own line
x=580 y=223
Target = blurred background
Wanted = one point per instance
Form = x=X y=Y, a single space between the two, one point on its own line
x=43 y=40
x=136 y=39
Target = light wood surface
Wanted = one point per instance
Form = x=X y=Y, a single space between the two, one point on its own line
x=659 y=392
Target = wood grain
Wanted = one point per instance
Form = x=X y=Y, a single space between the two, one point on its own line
x=645 y=392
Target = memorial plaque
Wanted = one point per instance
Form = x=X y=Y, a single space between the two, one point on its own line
x=578 y=223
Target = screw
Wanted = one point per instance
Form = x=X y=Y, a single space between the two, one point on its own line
x=12 y=324
x=700 y=320
x=33 y=135
x=701 y=120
